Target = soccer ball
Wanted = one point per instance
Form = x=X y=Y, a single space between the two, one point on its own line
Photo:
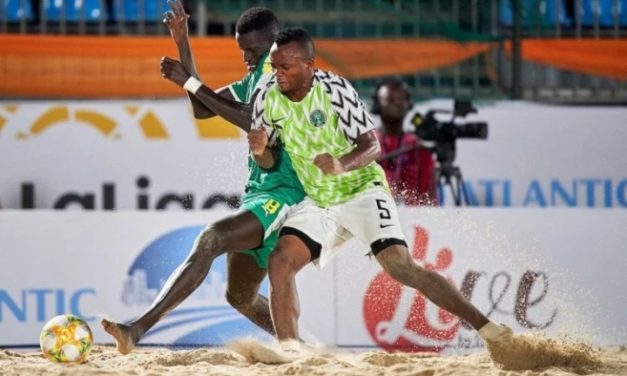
x=66 y=339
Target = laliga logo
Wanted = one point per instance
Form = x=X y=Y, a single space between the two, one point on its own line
x=399 y=317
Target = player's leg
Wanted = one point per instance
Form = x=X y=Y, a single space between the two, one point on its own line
x=289 y=257
x=238 y=232
x=373 y=218
x=244 y=279
x=397 y=262
x=247 y=270
x=300 y=242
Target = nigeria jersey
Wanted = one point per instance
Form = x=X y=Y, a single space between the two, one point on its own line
x=328 y=120
x=282 y=175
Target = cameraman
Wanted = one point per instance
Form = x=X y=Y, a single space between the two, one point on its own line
x=410 y=174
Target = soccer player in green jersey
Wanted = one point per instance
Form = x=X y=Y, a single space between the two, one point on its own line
x=318 y=118
x=269 y=194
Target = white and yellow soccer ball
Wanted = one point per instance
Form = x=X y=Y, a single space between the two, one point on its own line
x=66 y=339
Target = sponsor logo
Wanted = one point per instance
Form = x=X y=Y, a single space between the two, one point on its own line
x=205 y=318
x=6 y=112
x=542 y=193
x=275 y=122
x=114 y=123
x=106 y=198
x=40 y=304
x=398 y=317
x=149 y=123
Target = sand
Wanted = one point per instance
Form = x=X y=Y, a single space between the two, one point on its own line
x=528 y=356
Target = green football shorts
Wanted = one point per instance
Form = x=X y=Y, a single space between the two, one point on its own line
x=271 y=209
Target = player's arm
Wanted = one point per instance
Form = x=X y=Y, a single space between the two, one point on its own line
x=176 y=21
x=366 y=151
x=262 y=137
x=265 y=156
x=233 y=111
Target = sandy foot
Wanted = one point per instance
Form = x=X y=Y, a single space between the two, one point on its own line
x=121 y=333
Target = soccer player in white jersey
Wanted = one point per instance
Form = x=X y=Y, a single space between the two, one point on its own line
x=318 y=118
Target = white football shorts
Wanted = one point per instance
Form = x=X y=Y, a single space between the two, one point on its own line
x=371 y=217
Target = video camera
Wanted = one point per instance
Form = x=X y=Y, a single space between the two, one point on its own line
x=444 y=134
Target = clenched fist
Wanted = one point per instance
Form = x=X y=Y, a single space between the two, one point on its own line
x=328 y=164
x=173 y=70
x=257 y=140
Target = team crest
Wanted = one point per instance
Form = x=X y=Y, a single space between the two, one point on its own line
x=317 y=118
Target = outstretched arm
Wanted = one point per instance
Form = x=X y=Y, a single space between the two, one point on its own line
x=367 y=149
x=176 y=21
x=233 y=111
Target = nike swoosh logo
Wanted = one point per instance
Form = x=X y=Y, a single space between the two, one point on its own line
x=278 y=120
x=384 y=226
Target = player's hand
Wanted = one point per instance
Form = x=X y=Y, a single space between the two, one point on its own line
x=176 y=20
x=328 y=164
x=173 y=70
x=257 y=140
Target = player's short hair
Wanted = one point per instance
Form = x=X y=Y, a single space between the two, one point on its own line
x=257 y=19
x=297 y=35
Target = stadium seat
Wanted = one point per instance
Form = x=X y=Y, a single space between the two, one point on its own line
x=605 y=10
x=535 y=13
x=16 y=10
x=129 y=10
x=91 y=10
x=551 y=17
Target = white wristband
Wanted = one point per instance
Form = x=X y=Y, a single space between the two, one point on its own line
x=192 y=85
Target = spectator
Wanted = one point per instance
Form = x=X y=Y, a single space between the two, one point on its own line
x=410 y=174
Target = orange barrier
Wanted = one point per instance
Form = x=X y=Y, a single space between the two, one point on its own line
x=108 y=67
x=361 y=58
x=600 y=57
x=93 y=67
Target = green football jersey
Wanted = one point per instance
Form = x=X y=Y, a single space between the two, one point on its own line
x=282 y=175
x=328 y=120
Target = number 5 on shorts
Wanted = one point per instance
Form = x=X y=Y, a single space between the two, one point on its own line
x=384 y=213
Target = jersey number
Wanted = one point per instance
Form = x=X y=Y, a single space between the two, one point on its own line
x=271 y=206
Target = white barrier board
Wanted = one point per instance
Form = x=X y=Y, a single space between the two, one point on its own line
x=558 y=270
x=153 y=155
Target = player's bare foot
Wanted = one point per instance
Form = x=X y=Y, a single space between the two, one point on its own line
x=122 y=335
x=496 y=334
